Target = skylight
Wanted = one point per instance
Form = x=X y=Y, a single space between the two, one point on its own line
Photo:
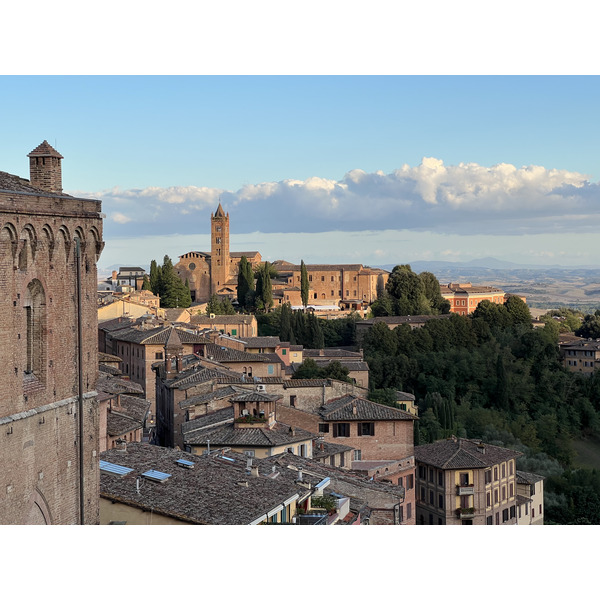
x=113 y=469
x=156 y=475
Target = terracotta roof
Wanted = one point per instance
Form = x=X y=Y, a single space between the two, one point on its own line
x=279 y=434
x=18 y=185
x=157 y=336
x=225 y=319
x=460 y=453
x=263 y=341
x=45 y=149
x=528 y=478
x=209 y=493
x=116 y=385
x=352 y=408
x=208 y=397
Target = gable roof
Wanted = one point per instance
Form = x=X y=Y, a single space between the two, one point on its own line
x=353 y=408
x=460 y=453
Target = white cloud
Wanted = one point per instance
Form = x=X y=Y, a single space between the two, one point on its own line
x=120 y=218
x=467 y=198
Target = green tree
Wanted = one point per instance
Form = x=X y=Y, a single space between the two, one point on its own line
x=518 y=311
x=264 y=289
x=174 y=293
x=304 y=285
x=146 y=284
x=590 y=328
x=245 y=282
x=155 y=284
x=407 y=291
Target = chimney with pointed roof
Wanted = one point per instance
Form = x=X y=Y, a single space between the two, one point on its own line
x=173 y=352
x=45 y=169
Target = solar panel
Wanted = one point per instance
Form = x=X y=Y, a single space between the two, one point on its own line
x=107 y=467
x=156 y=475
x=185 y=463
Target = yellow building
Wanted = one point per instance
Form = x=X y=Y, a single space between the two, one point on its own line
x=466 y=482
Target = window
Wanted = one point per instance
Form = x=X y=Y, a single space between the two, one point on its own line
x=503 y=470
x=503 y=493
x=495 y=473
x=422 y=494
x=366 y=428
x=430 y=497
x=341 y=430
x=409 y=510
x=422 y=472
x=488 y=477
x=441 y=501
x=440 y=478
x=488 y=499
x=293 y=403
x=464 y=479
x=431 y=475
x=496 y=496
x=512 y=489
x=357 y=455
x=283 y=350
x=158 y=355
x=35 y=314
x=497 y=518
x=431 y=519
x=270 y=369
x=322 y=277
x=512 y=512
x=234 y=332
x=505 y=515
x=540 y=509
x=323 y=427
x=510 y=467
x=489 y=521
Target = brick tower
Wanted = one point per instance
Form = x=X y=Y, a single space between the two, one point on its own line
x=49 y=245
x=219 y=246
x=45 y=168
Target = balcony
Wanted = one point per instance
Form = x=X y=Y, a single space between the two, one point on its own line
x=465 y=490
x=465 y=513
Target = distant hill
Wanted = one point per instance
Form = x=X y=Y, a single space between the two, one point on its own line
x=485 y=264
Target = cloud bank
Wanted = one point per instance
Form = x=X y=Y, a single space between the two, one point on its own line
x=464 y=199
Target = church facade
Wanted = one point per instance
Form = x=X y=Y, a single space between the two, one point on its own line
x=214 y=272
x=348 y=286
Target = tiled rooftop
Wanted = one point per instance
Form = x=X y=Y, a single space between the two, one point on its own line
x=458 y=453
x=353 y=408
x=209 y=493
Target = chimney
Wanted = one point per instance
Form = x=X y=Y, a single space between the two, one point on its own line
x=299 y=474
x=254 y=471
x=121 y=445
x=45 y=168
x=114 y=275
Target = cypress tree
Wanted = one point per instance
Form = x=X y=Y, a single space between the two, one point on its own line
x=245 y=281
x=304 y=284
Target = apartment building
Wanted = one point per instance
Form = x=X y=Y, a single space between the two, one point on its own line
x=466 y=482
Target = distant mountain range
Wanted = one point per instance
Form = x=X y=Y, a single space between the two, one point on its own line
x=484 y=264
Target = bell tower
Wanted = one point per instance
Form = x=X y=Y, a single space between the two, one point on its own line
x=219 y=249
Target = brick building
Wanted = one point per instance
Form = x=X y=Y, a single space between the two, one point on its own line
x=351 y=286
x=465 y=297
x=214 y=272
x=49 y=246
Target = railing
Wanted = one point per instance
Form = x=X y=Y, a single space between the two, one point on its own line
x=465 y=490
x=465 y=513
x=314 y=519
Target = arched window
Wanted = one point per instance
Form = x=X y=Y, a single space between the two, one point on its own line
x=35 y=311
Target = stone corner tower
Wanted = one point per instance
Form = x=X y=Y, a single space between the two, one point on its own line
x=45 y=170
x=219 y=247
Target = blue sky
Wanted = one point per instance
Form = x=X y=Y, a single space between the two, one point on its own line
x=326 y=168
